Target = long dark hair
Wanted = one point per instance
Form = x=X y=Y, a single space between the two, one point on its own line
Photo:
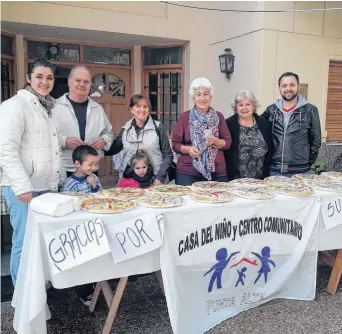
x=38 y=63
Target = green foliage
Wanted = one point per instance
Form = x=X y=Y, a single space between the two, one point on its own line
x=318 y=166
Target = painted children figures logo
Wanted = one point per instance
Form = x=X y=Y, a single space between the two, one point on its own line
x=223 y=260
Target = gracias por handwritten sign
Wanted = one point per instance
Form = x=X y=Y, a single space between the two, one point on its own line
x=76 y=244
x=135 y=237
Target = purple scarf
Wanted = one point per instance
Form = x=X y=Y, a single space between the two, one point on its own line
x=199 y=122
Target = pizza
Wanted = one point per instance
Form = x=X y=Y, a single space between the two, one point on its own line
x=205 y=184
x=247 y=183
x=170 y=189
x=292 y=189
x=303 y=177
x=334 y=176
x=82 y=196
x=106 y=205
x=324 y=183
x=159 y=201
x=253 y=193
x=278 y=180
x=211 y=196
x=120 y=193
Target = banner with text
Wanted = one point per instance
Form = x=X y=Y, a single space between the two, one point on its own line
x=77 y=244
x=135 y=237
x=332 y=210
x=217 y=263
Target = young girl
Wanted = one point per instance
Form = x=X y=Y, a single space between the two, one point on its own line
x=139 y=173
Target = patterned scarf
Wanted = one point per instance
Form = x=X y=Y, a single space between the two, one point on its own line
x=199 y=122
x=46 y=101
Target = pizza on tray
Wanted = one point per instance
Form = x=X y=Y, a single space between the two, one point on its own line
x=292 y=189
x=334 y=176
x=303 y=177
x=170 y=189
x=211 y=196
x=323 y=183
x=81 y=196
x=205 y=185
x=120 y=193
x=106 y=205
x=253 y=193
x=247 y=183
x=275 y=180
x=159 y=201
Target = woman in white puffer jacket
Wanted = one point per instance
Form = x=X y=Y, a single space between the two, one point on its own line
x=30 y=155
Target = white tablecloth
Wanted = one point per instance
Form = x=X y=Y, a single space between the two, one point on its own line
x=29 y=298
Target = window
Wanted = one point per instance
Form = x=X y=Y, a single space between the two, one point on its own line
x=106 y=82
x=333 y=124
x=109 y=56
x=53 y=51
x=163 y=56
x=6 y=45
x=7 y=82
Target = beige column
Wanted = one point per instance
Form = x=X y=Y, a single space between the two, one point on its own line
x=137 y=71
x=20 y=61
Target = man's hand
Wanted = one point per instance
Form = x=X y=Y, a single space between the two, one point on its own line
x=26 y=198
x=72 y=142
x=98 y=144
x=91 y=180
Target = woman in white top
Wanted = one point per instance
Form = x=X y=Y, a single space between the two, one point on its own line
x=30 y=153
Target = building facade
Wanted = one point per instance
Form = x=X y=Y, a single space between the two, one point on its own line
x=157 y=49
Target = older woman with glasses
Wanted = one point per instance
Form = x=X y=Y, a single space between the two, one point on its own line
x=200 y=137
x=250 y=153
x=143 y=133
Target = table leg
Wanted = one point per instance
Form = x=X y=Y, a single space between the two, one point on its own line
x=335 y=274
x=107 y=292
x=95 y=297
x=114 y=305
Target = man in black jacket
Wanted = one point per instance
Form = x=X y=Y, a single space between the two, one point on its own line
x=296 y=129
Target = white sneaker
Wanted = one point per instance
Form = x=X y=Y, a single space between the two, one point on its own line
x=86 y=301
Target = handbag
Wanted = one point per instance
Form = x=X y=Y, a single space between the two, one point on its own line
x=171 y=171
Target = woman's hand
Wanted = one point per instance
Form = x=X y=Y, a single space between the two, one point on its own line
x=194 y=152
x=216 y=142
x=26 y=198
x=211 y=140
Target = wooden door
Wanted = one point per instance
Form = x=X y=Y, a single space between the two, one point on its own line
x=111 y=89
x=333 y=122
x=164 y=87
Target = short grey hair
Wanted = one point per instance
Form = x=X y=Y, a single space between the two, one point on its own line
x=201 y=83
x=245 y=95
x=78 y=67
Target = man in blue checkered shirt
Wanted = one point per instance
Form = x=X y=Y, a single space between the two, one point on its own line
x=86 y=160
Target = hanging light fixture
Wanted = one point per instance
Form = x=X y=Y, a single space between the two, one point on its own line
x=227 y=62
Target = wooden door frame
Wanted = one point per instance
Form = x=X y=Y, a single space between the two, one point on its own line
x=82 y=62
x=164 y=70
x=12 y=59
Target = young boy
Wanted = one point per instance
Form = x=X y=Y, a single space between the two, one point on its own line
x=86 y=160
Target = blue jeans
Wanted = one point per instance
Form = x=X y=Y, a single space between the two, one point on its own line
x=282 y=174
x=18 y=215
x=188 y=180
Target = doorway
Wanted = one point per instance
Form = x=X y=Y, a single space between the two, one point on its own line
x=164 y=89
